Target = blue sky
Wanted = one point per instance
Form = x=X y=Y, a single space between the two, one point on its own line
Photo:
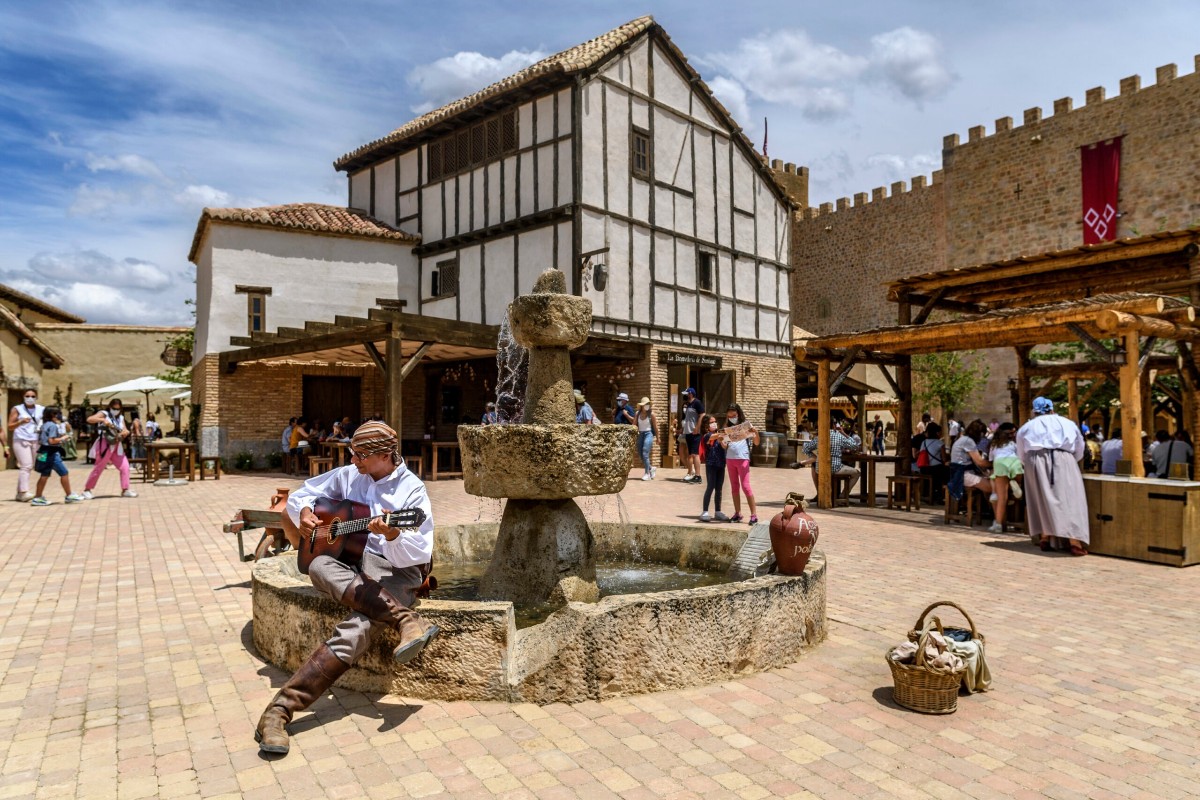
x=119 y=121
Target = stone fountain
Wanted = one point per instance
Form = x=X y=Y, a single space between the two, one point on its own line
x=544 y=553
x=544 y=549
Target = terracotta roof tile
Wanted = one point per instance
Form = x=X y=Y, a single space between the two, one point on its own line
x=573 y=59
x=310 y=217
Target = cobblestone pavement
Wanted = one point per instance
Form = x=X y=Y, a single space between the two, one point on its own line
x=126 y=672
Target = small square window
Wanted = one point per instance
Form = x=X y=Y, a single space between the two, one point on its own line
x=705 y=265
x=639 y=151
x=443 y=280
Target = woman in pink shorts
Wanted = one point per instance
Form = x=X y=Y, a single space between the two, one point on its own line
x=737 y=462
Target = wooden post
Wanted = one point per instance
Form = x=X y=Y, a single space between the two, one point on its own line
x=1144 y=384
x=904 y=418
x=1131 y=407
x=1190 y=404
x=395 y=378
x=824 y=449
x=1073 y=399
x=1024 y=401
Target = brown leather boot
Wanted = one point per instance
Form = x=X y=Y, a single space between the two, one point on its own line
x=311 y=681
x=371 y=599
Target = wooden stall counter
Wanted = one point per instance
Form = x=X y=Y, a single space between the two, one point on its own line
x=1148 y=519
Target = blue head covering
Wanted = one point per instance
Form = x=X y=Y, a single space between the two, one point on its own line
x=1043 y=405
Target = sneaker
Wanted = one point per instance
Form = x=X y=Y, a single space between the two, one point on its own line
x=697 y=479
x=1015 y=488
x=646 y=477
x=704 y=517
x=87 y=495
x=39 y=501
x=74 y=498
x=720 y=517
x=753 y=519
x=993 y=497
x=653 y=473
x=129 y=493
x=24 y=497
x=736 y=518
x=996 y=528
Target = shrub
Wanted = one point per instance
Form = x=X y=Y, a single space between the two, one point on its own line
x=244 y=460
x=275 y=459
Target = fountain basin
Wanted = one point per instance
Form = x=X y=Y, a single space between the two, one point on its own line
x=545 y=462
x=624 y=644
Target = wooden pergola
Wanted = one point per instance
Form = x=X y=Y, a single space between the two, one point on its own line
x=1134 y=292
x=395 y=342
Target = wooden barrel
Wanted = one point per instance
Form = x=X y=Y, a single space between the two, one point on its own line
x=766 y=452
x=787 y=454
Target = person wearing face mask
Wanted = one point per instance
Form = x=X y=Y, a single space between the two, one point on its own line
x=24 y=420
x=109 y=448
x=623 y=415
x=713 y=448
x=737 y=461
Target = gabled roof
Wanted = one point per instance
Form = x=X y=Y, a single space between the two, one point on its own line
x=23 y=300
x=570 y=61
x=25 y=337
x=308 y=217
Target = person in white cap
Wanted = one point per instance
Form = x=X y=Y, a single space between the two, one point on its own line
x=623 y=415
x=647 y=424
x=1050 y=448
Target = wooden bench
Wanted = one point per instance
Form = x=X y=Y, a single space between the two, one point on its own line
x=210 y=466
x=272 y=540
x=319 y=464
x=912 y=492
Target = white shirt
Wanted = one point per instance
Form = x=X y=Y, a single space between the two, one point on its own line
x=26 y=432
x=1110 y=453
x=1050 y=432
x=955 y=428
x=399 y=490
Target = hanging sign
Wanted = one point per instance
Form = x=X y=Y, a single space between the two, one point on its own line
x=691 y=359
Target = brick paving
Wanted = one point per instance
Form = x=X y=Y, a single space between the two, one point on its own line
x=126 y=671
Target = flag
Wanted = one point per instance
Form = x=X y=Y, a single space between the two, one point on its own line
x=764 y=137
x=1100 y=165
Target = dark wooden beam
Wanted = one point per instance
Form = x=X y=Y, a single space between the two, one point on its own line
x=1144 y=356
x=310 y=344
x=844 y=368
x=415 y=359
x=1095 y=345
x=598 y=347
x=926 y=309
x=887 y=376
x=438 y=330
x=537 y=220
x=376 y=356
x=957 y=306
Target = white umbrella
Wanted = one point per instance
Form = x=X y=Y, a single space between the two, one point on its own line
x=147 y=384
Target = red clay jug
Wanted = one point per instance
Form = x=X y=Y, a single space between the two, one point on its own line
x=793 y=535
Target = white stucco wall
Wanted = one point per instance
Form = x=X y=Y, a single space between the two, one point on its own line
x=312 y=278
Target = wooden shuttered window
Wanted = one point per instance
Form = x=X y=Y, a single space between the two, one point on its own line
x=640 y=153
x=467 y=148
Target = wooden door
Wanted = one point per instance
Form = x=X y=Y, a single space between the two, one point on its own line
x=719 y=391
x=328 y=398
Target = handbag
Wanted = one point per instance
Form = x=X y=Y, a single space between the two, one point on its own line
x=923 y=458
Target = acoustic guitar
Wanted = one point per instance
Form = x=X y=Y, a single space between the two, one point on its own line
x=342 y=532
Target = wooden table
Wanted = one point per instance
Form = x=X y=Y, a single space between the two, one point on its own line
x=868 y=496
x=429 y=451
x=187 y=457
x=1148 y=519
x=338 y=451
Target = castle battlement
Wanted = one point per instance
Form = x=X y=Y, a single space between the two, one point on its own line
x=1032 y=125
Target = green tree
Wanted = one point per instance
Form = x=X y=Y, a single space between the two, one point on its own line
x=949 y=379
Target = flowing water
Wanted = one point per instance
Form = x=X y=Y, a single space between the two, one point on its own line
x=512 y=373
x=461 y=582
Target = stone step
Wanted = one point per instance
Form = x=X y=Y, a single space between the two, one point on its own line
x=757 y=544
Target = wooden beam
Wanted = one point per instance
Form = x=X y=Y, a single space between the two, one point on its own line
x=999 y=329
x=887 y=376
x=815 y=354
x=376 y=356
x=903 y=388
x=1094 y=344
x=310 y=344
x=1116 y=322
x=1131 y=407
x=1073 y=399
x=844 y=369
x=600 y=347
x=415 y=359
x=438 y=330
x=393 y=394
x=1093 y=387
x=956 y=306
x=930 y=304
x=1144 y=356
x=1022 y=411
x=824 y=446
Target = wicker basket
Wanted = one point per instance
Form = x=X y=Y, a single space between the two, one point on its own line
x=919 y=688
x=915 y=633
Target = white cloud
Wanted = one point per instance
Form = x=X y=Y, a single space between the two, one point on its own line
x=97 y=201
x=94 y=267
x=788 y=66
x=128 y=163
x=733 y=96
x=203 y=195
x=464 y=72
x=910 y=61
x=899 y=167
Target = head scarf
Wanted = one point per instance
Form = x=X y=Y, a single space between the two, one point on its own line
x=1043 y=405
x=376 y=437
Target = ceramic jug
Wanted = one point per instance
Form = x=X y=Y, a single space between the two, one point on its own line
x=793 y=535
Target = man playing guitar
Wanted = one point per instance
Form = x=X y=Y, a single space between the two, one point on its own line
x=379 y=591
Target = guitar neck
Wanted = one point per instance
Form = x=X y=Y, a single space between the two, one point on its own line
x=356 y=525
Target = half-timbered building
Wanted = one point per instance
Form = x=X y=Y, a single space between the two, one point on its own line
x=611 y=161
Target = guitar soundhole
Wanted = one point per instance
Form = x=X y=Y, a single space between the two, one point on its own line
x=333 y=529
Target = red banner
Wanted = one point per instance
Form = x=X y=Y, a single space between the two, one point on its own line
x=1101 y=167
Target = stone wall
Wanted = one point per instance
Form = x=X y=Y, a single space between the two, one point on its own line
x=1013 y=192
